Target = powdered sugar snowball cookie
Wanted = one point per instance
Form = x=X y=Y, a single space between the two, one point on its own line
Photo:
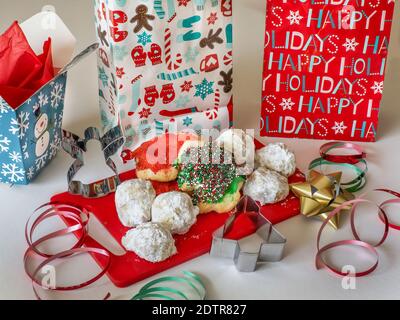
x=266 y=186
x=277 y=157
x=242 y=146
x=151 y=242
x=133 y=201
x=175 y=211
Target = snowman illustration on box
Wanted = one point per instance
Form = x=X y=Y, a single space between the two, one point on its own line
x=42 y=134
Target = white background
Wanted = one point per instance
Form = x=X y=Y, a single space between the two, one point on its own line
x=293 y=278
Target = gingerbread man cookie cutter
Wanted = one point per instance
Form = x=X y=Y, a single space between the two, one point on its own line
x=76 y=147
x=270 y=250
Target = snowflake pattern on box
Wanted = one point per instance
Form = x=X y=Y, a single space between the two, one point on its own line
x=324 y=68
x=30 y=135
x=164 y=64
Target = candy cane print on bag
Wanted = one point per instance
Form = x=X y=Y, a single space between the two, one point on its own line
x=171 y=114
x=217 y=98
x=228 y=58
x=212 y=113
x=171 y=65
x=171 y=10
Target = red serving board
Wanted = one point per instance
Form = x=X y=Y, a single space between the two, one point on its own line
x=128 y=269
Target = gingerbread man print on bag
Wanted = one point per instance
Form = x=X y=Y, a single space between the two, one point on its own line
x=142 y=19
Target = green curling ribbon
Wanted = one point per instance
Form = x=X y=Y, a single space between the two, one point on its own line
x=152 y=290
x=352 y=186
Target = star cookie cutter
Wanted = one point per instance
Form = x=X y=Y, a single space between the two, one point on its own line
x=76 y=147
x=271 y=250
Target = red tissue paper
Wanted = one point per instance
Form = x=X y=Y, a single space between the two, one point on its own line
x=22 y=72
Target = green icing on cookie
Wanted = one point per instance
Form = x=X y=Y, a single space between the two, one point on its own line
x=233 y=188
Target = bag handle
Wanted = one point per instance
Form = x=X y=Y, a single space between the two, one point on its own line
x=89 y=50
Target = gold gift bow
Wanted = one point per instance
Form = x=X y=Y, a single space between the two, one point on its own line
x=321 y=194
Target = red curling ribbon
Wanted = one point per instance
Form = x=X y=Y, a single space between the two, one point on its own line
x=381 y=215
x=352 y=159
x=321 y=263
x=391 y=201
x=80 y=229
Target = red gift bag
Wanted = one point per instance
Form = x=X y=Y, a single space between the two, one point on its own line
x=324 y=68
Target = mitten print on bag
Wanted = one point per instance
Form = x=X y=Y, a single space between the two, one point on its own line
x=117 y=17
x=117 y=34
x=155 y=54
x=139 y=56
x=167 y=93
x=151 y=95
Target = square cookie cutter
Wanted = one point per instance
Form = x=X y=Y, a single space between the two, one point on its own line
x=270 y=250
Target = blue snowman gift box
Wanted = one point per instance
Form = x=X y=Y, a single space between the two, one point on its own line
x=31 y=134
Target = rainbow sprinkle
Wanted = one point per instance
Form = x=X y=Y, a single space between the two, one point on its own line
x=209 y=171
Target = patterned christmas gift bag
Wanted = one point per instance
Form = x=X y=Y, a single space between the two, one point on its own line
x=164 y=64
x=324 y=68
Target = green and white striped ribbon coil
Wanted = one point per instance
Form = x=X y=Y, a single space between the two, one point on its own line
x=158 y=289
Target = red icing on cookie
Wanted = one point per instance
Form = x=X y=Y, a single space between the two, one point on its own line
x=161 y=152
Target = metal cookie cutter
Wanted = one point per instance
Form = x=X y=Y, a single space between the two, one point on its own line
x=271 y=250
x=76 y=147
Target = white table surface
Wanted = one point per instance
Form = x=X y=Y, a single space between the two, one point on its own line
x=293 y=278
